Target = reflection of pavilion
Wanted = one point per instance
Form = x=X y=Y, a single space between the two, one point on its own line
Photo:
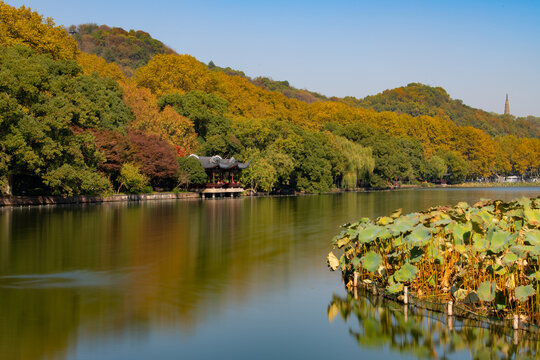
x=222 y=172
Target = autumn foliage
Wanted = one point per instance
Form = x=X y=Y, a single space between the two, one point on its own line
x=72 y=120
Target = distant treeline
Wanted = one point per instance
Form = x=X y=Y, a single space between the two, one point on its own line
x=73 y=123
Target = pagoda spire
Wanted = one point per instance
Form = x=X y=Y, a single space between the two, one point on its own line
x=506 y=106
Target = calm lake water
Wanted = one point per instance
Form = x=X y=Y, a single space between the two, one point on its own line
x=235 y=278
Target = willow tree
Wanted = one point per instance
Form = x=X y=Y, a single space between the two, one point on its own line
x=358 y=162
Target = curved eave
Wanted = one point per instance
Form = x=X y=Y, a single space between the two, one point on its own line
x=228 y=166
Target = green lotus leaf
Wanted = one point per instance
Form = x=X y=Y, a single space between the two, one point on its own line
x=480 y=244
x=371 y=261
x=497 y=269
x=481 y=219
x=416 y=254
x=333 y=261
x=406 y=273
x=509 y=258
x=533 y=237
x=419 y=236
x=534 y=250
x=367 y=234
x=462 y=249
x=462 y=205
x=497 y=240
x=516 y=213
x=385 y=220
x=534 y=276
x=486 y=291
x=384 y=234
x=460 y=232
x=520 y=250
x=395 y=288
x=442 y=222
x=355 y=262
x=532 y=216
x=524 y=292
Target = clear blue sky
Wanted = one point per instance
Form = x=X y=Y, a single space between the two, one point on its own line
x=477 y=50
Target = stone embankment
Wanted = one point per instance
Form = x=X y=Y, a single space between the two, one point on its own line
x=52 y=200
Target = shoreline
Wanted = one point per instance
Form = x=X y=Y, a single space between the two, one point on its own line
x=6 y=201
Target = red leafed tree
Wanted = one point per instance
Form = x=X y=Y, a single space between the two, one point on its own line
x=117 y=149
x=156 y=157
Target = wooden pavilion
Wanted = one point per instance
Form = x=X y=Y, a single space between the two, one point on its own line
x=223 y=173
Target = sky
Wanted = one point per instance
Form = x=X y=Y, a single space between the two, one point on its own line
x=477 y=50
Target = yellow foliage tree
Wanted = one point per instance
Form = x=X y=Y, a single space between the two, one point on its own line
x=26 y=27
x=92 y=63
x=167 y=124
x=168 y=73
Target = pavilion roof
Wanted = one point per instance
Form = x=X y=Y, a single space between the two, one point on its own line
x=216 y=161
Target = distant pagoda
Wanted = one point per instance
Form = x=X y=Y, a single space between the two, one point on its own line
x=506 y=106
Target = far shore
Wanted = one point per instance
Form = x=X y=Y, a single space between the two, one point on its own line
x=58 y=200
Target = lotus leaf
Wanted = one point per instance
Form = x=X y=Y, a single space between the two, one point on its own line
x=343 y=262
x=384 y=234
x=333 y=261
x=385 y=220
x=462 y=205
x=497 y=240
x=480 y=244
x=517 y=213
x=498 y=269
x=406 y=273
x=343 y=241
x=371 y=261
x=396 y=214
x=509 y=258
x=534 y=250
x=395 y=288
x=419 y=236
x=534 y=276
x=416 y=254
x=442 y=222
x=462 y=249
x=533 y=237
x=520 y=250
x=460 y=232
x=486 y=291
x=355 y=262
x=471 y=297
x=481 y=219
x=367 y=234
x=524 y=292
x=460 y=294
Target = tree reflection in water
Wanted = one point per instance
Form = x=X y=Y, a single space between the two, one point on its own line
x=377 y=322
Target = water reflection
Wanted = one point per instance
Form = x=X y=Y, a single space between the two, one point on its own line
x=96 y=274
x=376 y=322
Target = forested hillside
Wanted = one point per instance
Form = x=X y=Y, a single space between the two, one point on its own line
x=73 y=123
x=418 y=99
x=129 y=49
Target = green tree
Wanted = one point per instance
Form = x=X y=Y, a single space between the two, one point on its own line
x=131 y=179
x=437 y=168
x=207 y=111
x=191 y=170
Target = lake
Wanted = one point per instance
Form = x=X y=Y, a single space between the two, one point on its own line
x=232 y=278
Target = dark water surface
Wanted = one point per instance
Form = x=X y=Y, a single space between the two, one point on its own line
x=235 y=278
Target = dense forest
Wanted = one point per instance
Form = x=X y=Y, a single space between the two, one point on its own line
x=418 y=99
x=107 y=110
